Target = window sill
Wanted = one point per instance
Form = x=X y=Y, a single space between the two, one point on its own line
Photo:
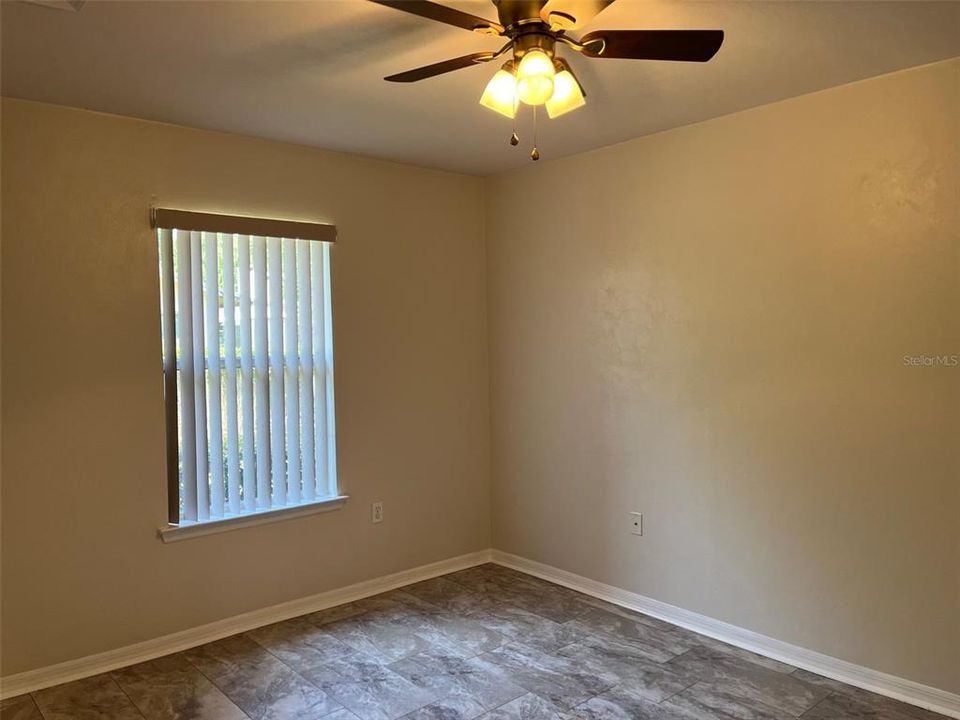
x=186 y=530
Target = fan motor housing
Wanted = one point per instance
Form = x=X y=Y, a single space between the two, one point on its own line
x=514 y=14
x=533 y=39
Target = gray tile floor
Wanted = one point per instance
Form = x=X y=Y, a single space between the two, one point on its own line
x=487 y=642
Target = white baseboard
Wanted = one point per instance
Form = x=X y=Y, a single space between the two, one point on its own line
x=31 y=680
x=908 y=691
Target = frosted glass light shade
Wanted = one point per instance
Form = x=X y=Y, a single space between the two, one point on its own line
x=566 y=96
x=500 y=94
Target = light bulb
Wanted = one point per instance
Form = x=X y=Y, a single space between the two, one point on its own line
x=501 y=94
x=566 y=96
x=535 y=77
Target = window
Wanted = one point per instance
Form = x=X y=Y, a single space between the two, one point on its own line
x=248 y=366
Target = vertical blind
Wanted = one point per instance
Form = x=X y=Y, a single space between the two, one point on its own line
x=248 y=363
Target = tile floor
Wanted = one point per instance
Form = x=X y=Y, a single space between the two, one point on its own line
x=487 y=642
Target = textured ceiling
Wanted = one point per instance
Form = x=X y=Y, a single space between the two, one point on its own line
x=311 y=72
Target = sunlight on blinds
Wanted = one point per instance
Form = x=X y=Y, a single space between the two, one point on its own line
x=246 y=334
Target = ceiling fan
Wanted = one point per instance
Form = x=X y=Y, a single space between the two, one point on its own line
x=534 y=74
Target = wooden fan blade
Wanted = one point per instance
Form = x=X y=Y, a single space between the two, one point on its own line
x=579 y=12
x=441 y=13
x=681 y=45
x=440 y=68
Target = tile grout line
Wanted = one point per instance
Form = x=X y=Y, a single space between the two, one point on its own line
x=211 y=681
x=300 y=675
x=678 y=692
x=36 y=704
x=126 y=695
x=818 y=703
x=525 y=693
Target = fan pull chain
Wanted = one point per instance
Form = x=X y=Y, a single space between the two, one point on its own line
x=535 y=153
x=514 y=138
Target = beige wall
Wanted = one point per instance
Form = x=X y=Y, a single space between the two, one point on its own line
x=83 y=461
x=708 y=325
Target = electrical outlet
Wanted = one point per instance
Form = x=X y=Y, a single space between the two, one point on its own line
x=376 y=512
x=636 y=523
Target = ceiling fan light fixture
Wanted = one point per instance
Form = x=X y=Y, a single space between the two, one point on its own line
x=500 y=95
x=535 y=75
x=533 y=31
x=567 y=95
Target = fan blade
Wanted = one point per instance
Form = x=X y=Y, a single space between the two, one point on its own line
x=427 y=71
x=573 y=14
x=682 y=45
x=441 y=13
